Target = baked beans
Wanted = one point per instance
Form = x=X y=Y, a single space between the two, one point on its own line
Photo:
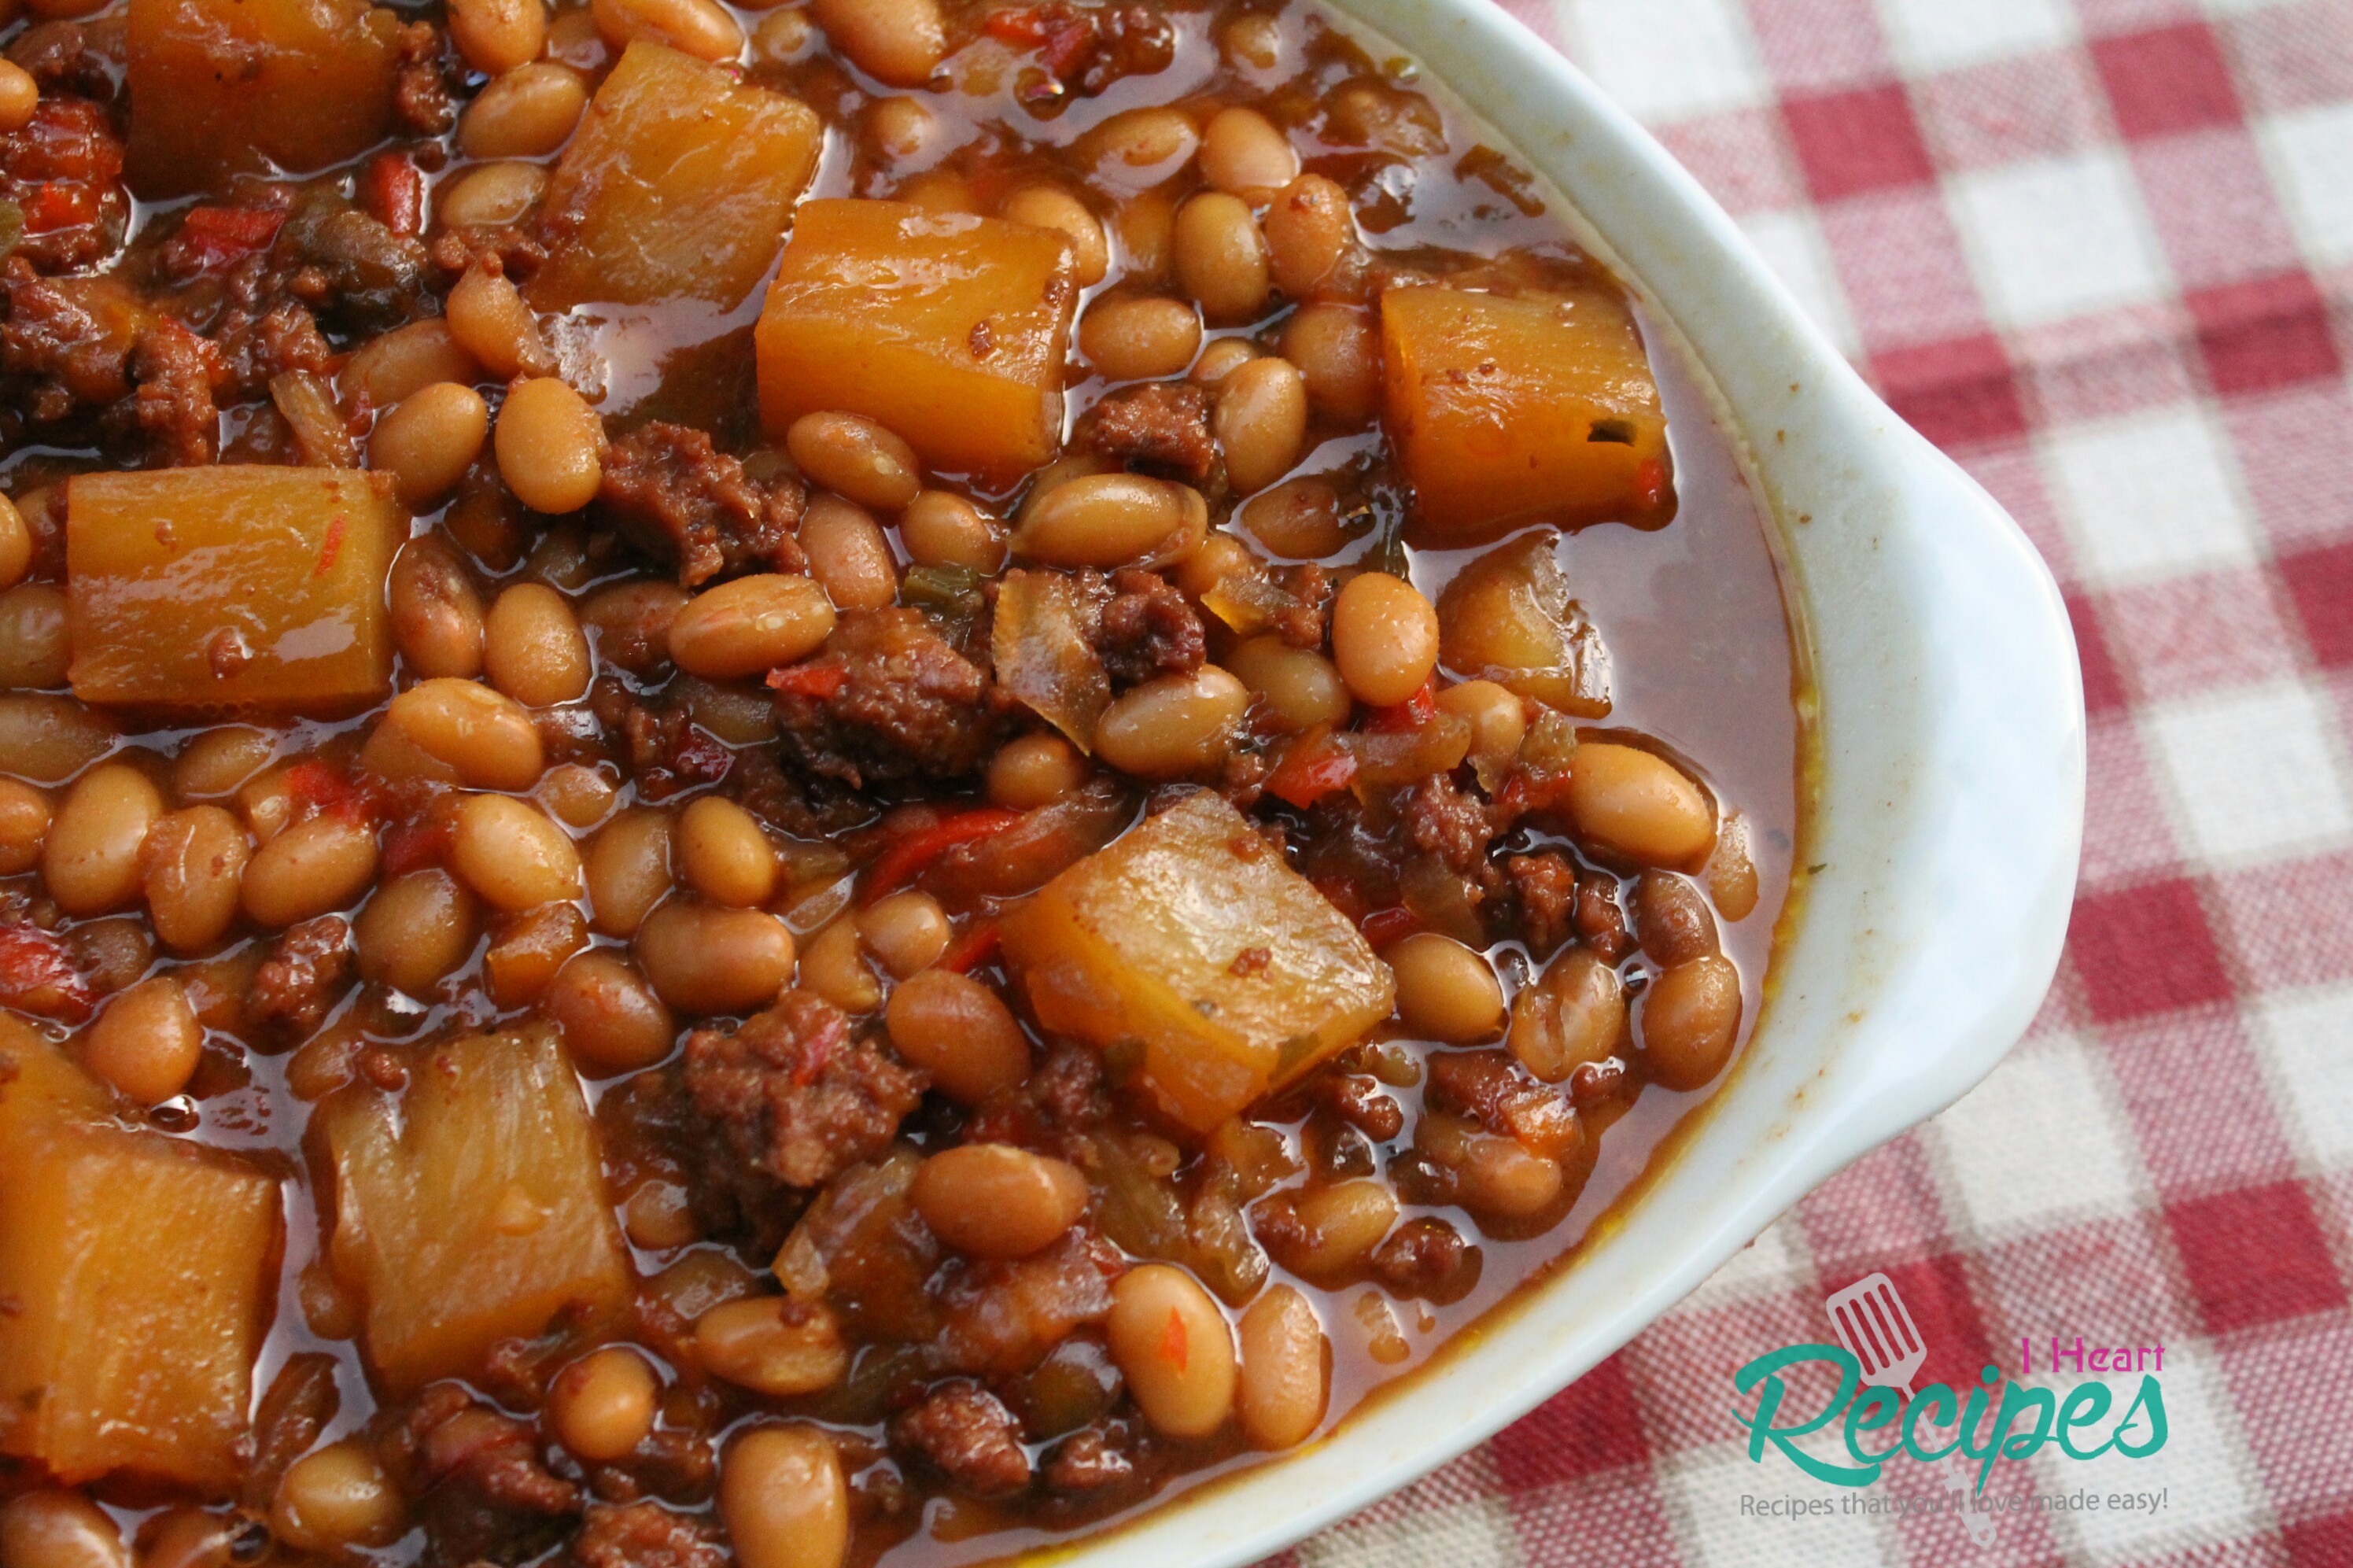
x=192 y=867
x=1637 y=804
x=959 y=1032
x=855 y=458
x=1243 y=154
x=147 y=1042
x=703 y=29
x=941 y=528
x=611 y=1018
x=628 y=870
x=1139 y=338
x=750 y=626
x=316 y=865
x=992 y=1200
x=550 y=445
x=1173 y=1348
x=1220 y=257
x=893 y=41
x=497 y=35
x=1261 y=420
x=1447 y=991
x=726 y=853
x=1384 y=638
x=1050 y=206
x=602 y=1405
x=1309 y=227
x=1035 y=770
x=1112 y=520
x=510 y=853
x=528 y=112
x=488 y=319
x=847 y=554
x=784 y=1500
x=703 y=959
x=429 y=441
x=484 y=737
x=415 y=931
x=90 y=860
x=1284 y=1380
x=1177 y=726
x=907 y=932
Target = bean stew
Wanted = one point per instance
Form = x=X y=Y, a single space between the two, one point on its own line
x=840 y=784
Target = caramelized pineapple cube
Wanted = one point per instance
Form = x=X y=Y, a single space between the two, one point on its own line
x=235 y=586
x=469 y=1207
x=141 y=1271
x=1507 y=411
x=1191 y=949
x=948 y=329
x=228 y=86
x=679 y=186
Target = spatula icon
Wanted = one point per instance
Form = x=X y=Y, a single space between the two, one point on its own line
x=1871 y=1323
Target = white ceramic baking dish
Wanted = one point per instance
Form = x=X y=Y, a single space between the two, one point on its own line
x=1945 y=820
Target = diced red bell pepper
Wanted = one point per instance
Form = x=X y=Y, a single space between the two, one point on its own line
x=1651 y=485
x=1316 y=765
x=973 y=949
x=412 y=846
x=38 y=975
x=318 y=790
x=814 y=681
x=59 y=203
x=1383 y=926
x=1411 y=714
x=1062 y=35
x=211 y=238
x=906 y=860
x=393 y=191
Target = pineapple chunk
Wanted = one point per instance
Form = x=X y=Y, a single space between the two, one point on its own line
x=1507 y=617
x=1507 y=410
x=245 y=587
x=143 y=1272
x=1190 y=940
x=678 y=185
x=469 y=1207
x=948 y=329
x=228 y=86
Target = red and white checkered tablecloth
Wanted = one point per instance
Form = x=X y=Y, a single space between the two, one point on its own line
x=2101 y=251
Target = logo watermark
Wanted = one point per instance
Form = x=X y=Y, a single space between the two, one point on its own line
x=1880 y=1415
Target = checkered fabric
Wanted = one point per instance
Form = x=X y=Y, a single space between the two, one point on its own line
x=2102 y=252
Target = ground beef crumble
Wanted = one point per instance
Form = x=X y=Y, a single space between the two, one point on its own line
x=1304 y=622
x=1545 y=887
x=907 y=703
x=304 y=975
x=478 y=1474
x=1600 y=921
x=677 y=498
x=81 y=59
x=646 y=1535
x=795 y=1096
x=1147 y=630
x=176 y=371
x=1450 y=823
x=965 y=1432
x=1427 y=1258
x=1161 y=427
x=1099 y=1465
x=420 y=95
x=64 y=170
